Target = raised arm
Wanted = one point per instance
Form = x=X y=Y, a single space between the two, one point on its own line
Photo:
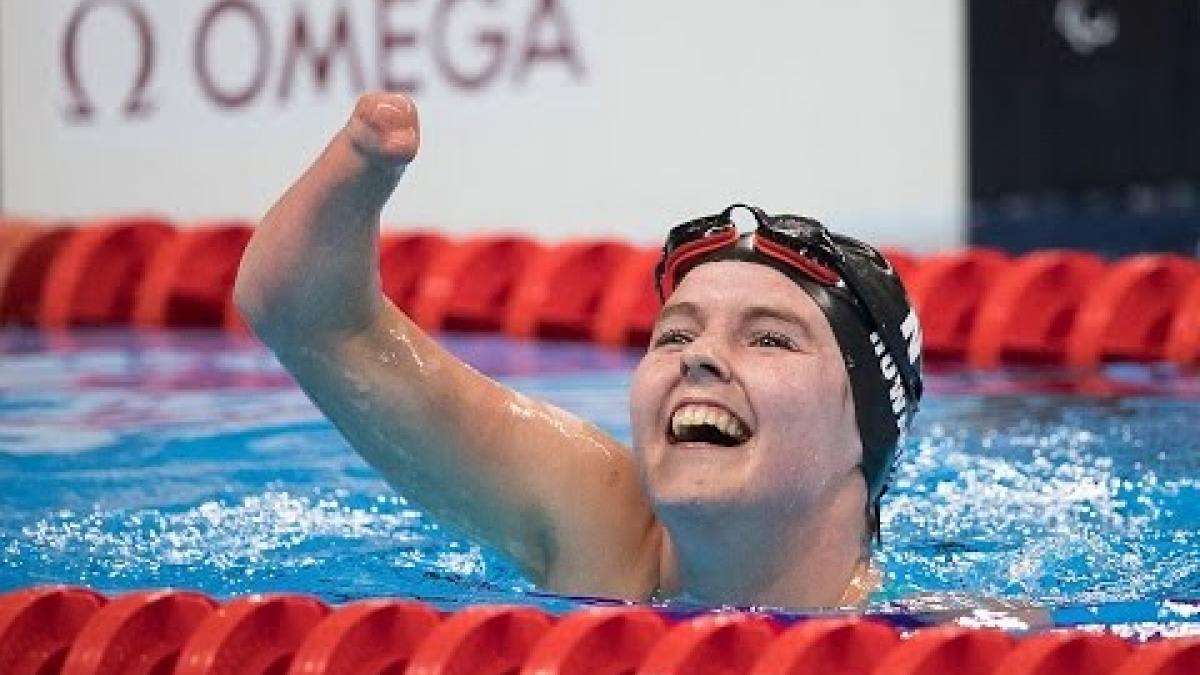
x=559 y=495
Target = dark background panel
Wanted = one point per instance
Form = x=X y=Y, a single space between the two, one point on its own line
x=1085 y=124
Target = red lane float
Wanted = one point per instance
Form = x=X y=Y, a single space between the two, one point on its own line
x=828 y=647
x=1066 y=653
x=558 y=295
x=95 y=274
x=404 y=258
x=371 y=637
x=15 y=236
x=604 y=641
x=188 y=281
x=137 y=634
x=630 y=303
x=61 y=630
x=469 y=286
x=1166 y=657
x=25 y=258
x=481 y=641
x=1127 y=315
x=903 y=262
x=713 y=644
x=234 y=323
x=1046 y=307
x=960 y=651
x=38 y=626
x=1028 y=313
x=252 y=635
x=1183 y=339
x=947 y=290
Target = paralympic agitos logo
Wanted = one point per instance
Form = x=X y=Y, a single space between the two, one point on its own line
x=407 y=45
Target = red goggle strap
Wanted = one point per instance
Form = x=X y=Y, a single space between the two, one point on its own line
x=691 y=251
x=818 y=272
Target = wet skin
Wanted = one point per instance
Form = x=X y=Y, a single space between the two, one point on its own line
x=579 y=511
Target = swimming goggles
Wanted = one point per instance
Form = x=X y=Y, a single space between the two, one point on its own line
x=803 y=244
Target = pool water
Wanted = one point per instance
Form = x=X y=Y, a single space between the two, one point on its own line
x=190 y=459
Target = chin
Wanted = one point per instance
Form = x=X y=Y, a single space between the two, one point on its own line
x=693 y=476
x=694 y=488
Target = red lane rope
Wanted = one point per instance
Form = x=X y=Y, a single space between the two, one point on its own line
x=1127 y=316
x=977 y=306
x=1029 y=311
x=1066 y=653
x=947 y=291
x=711 y=644
x=603 y=640
x=559 y=293
x=15 y=237
x=189 y=278
x=948 y=650
x=625 y=316
x=903 y=262
x=93 y=278
x=485 y=640
x=371 y=636
x=1168 y=657
x=403 y=261
x=251 y=635
x=1183 y=341
x=828 y=647
x=138 y=633
x=38 y=626
x=469 y=286
x=68 y=630
x=25 y=257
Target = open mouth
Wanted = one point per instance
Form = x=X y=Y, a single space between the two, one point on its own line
x=703 y=423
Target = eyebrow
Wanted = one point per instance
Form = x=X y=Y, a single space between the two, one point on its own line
x=756 y=312
x=688 y=310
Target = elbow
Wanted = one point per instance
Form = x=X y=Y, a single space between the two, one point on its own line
x=245 y=302
x=249 y=295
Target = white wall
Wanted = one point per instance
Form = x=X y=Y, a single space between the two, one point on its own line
x=852 y=111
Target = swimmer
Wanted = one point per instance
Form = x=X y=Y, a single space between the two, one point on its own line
x=783 y=371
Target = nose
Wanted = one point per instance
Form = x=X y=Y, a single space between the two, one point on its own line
x=700 y=363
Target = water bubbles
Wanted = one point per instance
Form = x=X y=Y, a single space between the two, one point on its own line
x=264 y=533
x=1068 y=506
x=206 y=468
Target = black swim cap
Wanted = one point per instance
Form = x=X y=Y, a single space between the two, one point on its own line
x=877 y=341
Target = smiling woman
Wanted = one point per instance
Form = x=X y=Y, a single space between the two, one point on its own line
x=785 y=369
x=792 y=492
x=808 y=336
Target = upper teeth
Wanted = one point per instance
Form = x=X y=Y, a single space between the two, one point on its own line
x=694 y=415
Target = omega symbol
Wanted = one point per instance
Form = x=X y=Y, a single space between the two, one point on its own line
x=81 y=108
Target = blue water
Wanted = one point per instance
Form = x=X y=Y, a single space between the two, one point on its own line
x=191 y=460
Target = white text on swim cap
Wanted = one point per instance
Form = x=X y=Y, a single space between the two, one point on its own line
x=911 y=330
x=887 y=368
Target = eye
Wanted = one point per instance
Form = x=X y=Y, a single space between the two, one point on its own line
x=773 y=340
x=672 y=336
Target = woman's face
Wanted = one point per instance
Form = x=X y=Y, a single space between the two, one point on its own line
x=743 y=398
